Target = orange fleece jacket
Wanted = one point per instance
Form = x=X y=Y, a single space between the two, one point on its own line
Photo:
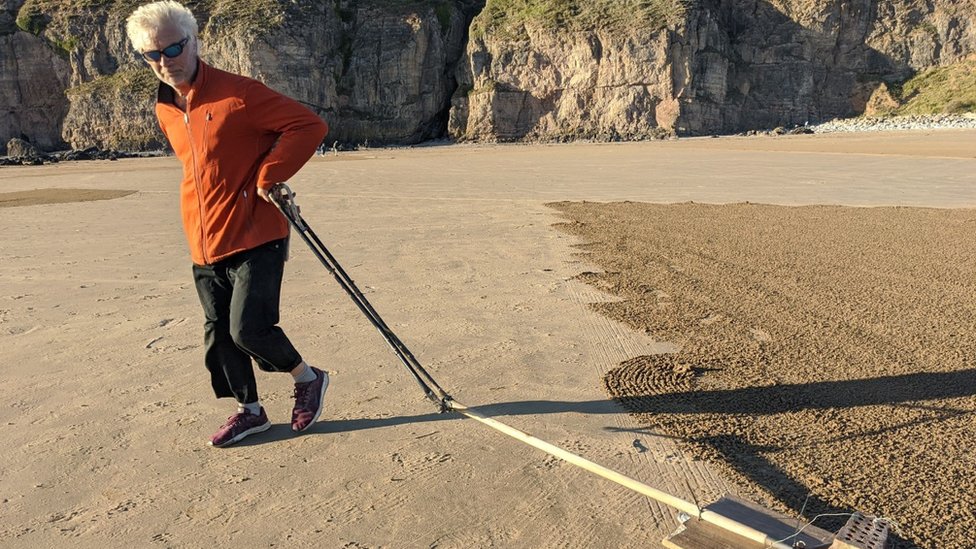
x=235 y=135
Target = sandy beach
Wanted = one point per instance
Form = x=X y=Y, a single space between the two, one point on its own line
x=106 y=408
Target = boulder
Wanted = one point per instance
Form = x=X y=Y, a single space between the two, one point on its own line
x=19 y=147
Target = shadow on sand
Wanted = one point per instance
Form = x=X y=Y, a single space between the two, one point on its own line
x=747 y=459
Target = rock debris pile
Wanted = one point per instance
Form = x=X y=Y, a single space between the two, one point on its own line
x=895 y=123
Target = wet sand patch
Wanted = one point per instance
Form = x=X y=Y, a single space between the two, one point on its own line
x=57 y=196
x=825 y=351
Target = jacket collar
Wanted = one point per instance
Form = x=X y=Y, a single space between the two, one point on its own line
x=166 y=94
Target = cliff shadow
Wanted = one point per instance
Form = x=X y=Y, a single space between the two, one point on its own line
x=752 y=66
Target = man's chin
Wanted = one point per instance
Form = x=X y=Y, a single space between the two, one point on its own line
x=171 y=80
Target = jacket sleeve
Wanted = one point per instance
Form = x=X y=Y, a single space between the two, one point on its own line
x=299 y=131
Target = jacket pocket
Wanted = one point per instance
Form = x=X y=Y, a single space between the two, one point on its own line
x=248 y=203
x=207 y=128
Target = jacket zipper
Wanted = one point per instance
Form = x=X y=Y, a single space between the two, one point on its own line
x=196 y=180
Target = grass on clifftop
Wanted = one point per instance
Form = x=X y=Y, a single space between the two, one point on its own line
x=55 y=16
x=35 y=15
x=509 y=18
x=258 y=16
x=941 y=90
x=125 y=84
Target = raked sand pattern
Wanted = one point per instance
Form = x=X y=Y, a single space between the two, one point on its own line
x=827 y=353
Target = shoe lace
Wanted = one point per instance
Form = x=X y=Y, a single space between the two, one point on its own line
x=234 y=419
x=302 y=394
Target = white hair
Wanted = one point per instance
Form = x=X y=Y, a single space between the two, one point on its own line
x=149 y=18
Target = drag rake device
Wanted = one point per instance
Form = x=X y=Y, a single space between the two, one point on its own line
x=730 y=521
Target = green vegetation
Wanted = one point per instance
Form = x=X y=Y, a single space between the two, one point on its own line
x=257 y=16
x=444 y=11
x=950 y=89
x=53 y=8
x=64 y=46
x=59 y=21
x=510 y=18
x=928 y=28
x=128 y=94
x=31 y=19
x=488 y=87
x=126 y=83
x=54 y=18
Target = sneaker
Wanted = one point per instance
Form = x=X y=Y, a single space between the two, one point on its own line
x=308 y=401
x=239 y=426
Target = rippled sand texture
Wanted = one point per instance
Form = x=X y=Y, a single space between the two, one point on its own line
x=825 y=350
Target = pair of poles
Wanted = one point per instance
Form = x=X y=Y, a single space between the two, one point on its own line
x=283 y=197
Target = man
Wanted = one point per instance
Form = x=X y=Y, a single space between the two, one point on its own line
x=236 y=139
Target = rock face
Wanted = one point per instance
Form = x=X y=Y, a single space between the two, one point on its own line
x=760 y=64
x=552 y=86
x=402 y=72
x=543 y=76
x=114 y=112
x=32 y=80
x=377 y=73
x=726 y=66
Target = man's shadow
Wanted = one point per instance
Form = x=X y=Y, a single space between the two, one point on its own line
x=750 y=400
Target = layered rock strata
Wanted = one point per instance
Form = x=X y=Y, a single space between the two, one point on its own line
x=403 y=72
x=723 y=67
x=32 y=82
x=378 y=73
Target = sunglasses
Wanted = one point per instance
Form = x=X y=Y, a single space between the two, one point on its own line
x=170 y=51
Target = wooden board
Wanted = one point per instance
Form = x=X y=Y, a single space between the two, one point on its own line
x=696 y=534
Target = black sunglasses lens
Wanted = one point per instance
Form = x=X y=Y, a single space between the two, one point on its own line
x=173 y=50
x=170 y=51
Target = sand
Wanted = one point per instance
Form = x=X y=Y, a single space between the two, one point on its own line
x=825 y=351
x=35 y=197
x=105 y=407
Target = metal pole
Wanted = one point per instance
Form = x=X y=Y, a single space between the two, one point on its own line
x=283 y=198
x=667 y=499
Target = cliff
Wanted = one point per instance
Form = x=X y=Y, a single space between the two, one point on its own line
x=403 y=71
x=700 y=67
x=602 y=70
x=378 y=71
x=756 y=63
x=33 y=77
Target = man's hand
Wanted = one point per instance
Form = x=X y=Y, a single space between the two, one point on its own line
x=276 y=191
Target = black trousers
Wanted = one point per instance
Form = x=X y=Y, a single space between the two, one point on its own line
x=240 y=297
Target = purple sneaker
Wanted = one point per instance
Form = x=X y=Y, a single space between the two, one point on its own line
x=308 y=401
x=239 y=426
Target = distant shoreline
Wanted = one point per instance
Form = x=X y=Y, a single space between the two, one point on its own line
x=906 y=124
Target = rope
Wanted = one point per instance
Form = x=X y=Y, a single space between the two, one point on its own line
x=889 y=522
